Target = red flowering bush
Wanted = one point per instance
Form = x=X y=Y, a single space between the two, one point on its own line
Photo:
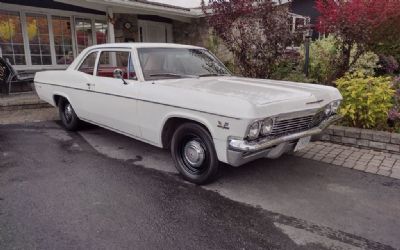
x=354 y=22
x=256 y=32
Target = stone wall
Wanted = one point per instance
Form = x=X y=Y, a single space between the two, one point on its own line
x=193 y=33
x=362 y=138
x=198 y=33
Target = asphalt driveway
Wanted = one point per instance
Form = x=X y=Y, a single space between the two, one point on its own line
x=99 y=190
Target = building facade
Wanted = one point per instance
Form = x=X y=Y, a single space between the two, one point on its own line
x=49 y=34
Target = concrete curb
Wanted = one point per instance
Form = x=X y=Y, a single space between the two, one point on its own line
x=22 y=101
x=25 y=106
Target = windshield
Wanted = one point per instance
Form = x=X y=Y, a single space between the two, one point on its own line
x=166 y=63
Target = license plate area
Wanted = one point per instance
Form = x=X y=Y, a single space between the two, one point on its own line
x=302 y=143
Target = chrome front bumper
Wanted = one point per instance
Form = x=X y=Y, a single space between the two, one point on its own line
x=241 y=151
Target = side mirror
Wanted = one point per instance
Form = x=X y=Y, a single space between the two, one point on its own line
x=118 y=73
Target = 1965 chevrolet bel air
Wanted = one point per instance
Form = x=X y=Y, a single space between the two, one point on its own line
x=183 y=98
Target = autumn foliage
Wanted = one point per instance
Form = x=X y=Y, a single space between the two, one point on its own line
x=256 y=32
x=356 y=24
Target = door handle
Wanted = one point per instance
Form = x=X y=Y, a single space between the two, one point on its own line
x=90 y=85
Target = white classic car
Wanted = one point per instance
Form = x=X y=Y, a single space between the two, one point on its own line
x=183 y=98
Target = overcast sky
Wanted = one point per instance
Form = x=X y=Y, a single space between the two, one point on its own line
x=183 y=3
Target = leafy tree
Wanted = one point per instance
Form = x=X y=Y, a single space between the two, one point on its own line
x=256 y=32
x=386 y=38
x=353 y=22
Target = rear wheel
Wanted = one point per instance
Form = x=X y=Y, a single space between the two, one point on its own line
x=194 y=154
x=68 y=116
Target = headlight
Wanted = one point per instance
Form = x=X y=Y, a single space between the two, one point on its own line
x=254 y=130
x=328 y=110
x=332 y=108
x=335 y=106
x=266 y=126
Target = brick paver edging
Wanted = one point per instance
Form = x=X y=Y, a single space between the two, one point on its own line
x=362 y=138
x=371 y=161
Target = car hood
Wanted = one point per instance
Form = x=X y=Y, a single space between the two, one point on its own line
x=256 y=91
x=244 y=97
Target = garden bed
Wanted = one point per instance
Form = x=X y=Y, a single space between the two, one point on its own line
x=362 y=138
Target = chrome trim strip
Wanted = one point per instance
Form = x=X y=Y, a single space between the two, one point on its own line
x=246 y=146
x=97 y=50
x=319 y=101
x=127 y=97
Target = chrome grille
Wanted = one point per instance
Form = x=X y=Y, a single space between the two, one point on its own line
x=284 y=126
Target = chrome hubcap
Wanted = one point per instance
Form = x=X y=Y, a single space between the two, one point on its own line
x=68 y=111
x=194 y=153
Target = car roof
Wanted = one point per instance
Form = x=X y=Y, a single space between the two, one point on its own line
x=144 y=45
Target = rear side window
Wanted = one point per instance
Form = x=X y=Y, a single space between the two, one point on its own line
x=112 y=60
x=87 y=65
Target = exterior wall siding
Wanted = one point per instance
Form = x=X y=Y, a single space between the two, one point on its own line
x=123 y=34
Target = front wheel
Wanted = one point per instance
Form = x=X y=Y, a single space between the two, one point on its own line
x=194 y=154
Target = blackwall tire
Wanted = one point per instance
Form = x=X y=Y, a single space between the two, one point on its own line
x=193 y=151
x=68 y=117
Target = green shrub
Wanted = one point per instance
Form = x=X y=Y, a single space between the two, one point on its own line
x=366 y=100
x=324 y=54
x=324 y=60
x=282 y=69
x=214 y=45
x=290 y=68
x=297 y=76
x=366 y=63
x=285 y=67
x=230 y=65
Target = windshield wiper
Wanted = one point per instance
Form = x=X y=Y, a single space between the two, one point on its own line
x=174 y=75
x=212 y=74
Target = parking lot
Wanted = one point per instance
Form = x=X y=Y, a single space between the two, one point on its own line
x=100 y=190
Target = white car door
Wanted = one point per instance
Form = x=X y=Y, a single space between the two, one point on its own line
x=80 y=81
x=113 y=90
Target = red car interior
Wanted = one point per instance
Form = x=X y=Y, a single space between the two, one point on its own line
x=109 y=72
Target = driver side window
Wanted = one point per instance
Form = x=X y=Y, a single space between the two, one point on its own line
x=109 y=61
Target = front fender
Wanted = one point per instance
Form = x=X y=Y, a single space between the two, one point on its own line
x=189 y=116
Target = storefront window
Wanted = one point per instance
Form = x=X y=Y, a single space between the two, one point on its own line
x=39 y=42
x=62 y=40
x=84 y=36
x=11 y=40
x=67 y=37
x=101 y=31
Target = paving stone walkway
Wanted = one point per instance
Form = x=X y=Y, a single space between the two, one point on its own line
x=366 y=160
